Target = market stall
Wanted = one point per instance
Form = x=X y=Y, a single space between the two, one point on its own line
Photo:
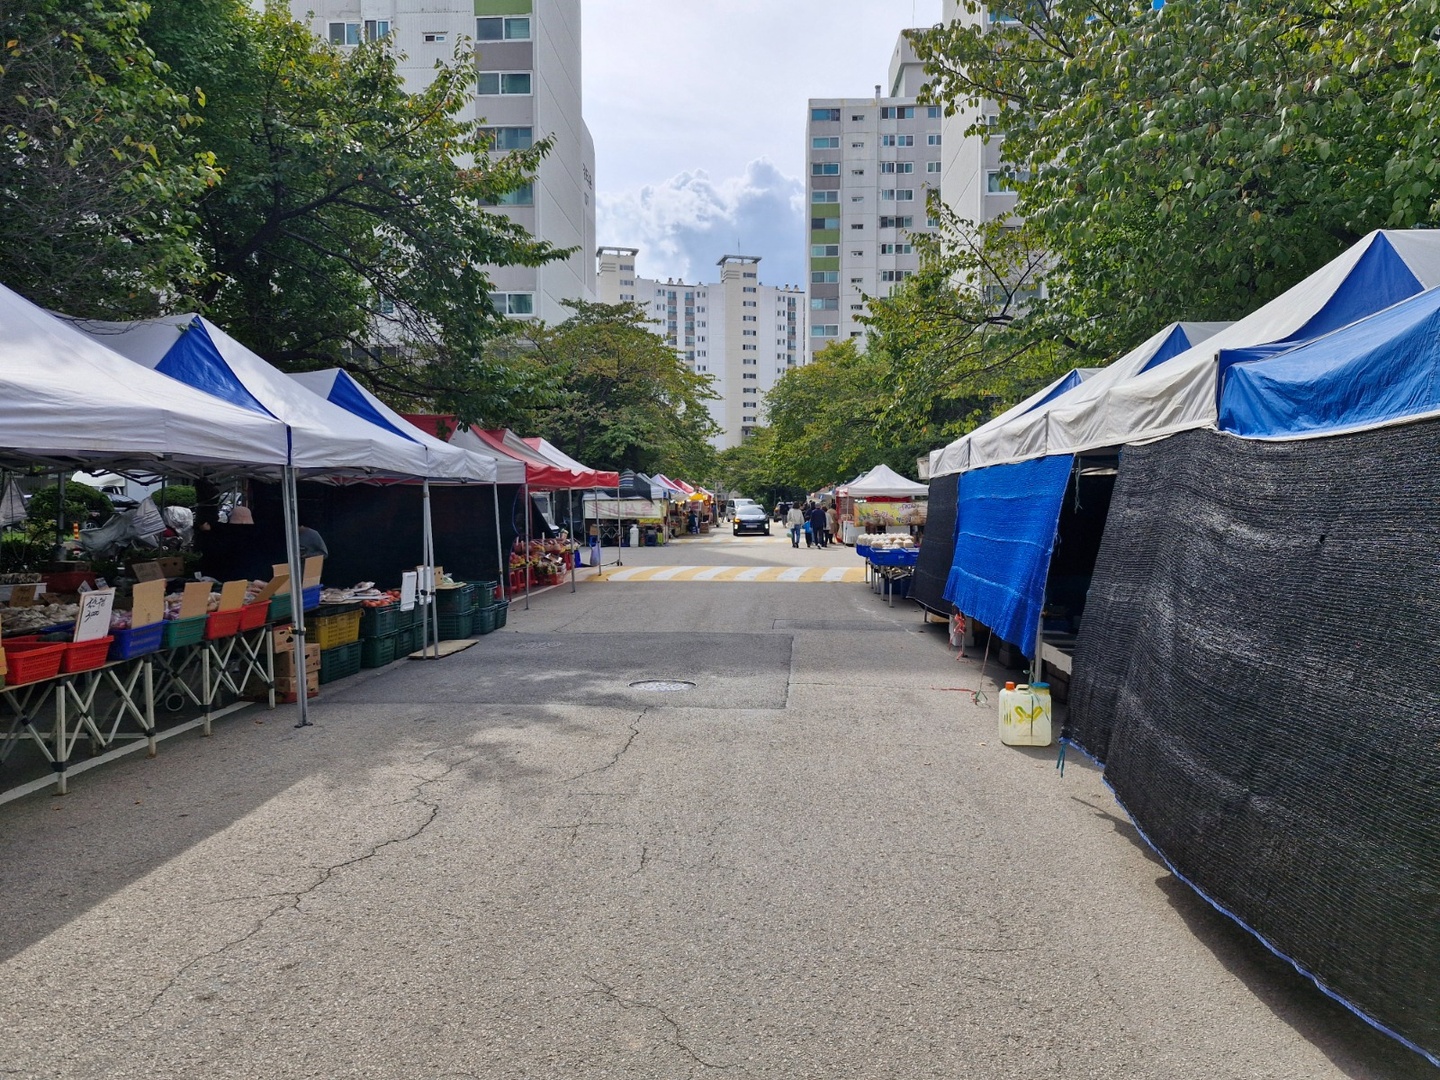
x=881 y=501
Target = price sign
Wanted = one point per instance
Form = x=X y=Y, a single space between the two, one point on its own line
x=409 y=580
x=23 y=595
x=93 y=621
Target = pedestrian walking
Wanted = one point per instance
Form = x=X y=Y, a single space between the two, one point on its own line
x=830 y=522
x=817 y=524
x=794 y=521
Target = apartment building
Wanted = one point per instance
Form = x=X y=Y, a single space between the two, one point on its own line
x=972 y=180
x=527 y=60
x=871 y=163
x=738 y=333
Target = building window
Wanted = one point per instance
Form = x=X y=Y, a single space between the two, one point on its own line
x=825 y=330
x=857 y=225
x=342 y=33
x=895 y=275
x=932 y=140
x=503 y=29
x=897 y=140
x=857 y=146
x=897 y=166
x=857 y=198
x=825 y=197
x=436 y=38
x=749 y=333
x=825 y=168
x=857 y=117
x=748 y=288
x=857 y=253
x=857 y=172
x=749 y=375
x=825 y=277
x=749 y=360
x=999 y=181
x=751 y=390
x=824 y=251
x=825 y=142
x=897 y=249
x=490 y=83
x=933 y=112
x=524 y=195
x=897 y=222
x=897 y=112
x=514 y=303
x=822 y=223
x=375 y=29
x=932 y=166
x=514 y=138
x=747 y=303
x=824 y=114
x=825 y=303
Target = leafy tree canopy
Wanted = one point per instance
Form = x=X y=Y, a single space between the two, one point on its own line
x=351 y=227
x=99 y=171
x=622 y=398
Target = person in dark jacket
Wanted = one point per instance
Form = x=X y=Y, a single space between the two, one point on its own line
x=817 y=524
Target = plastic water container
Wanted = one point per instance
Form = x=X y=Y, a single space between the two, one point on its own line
x=1025 y=715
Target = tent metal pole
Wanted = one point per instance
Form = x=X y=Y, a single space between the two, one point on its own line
x=290 y=503
x=527 y=541
x=570 y=513
x=60 y=517
x=500 y=545
x=427 y=573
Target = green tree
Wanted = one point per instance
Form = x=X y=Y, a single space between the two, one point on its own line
x=1195 y=161
x=351 y=228
x=623 y=398
x=99 y=173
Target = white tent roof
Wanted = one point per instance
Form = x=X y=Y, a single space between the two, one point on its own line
x=65 y=396
x=1134 y=404
x=325 y=439
x=883 y=481
x=548 y=450
x=338 y=388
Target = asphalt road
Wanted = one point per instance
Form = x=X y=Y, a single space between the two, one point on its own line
x=817 y=862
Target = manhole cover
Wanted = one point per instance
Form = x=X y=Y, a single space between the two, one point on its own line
x=662 y=686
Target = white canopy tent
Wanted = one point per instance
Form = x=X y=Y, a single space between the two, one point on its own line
x=883 y=482
x=1141 y=402
x=64 y=397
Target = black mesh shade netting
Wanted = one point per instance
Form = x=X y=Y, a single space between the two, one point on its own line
x=1257 y=670
x=932 y=568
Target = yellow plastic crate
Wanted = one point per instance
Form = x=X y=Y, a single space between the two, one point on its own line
x=332 y=631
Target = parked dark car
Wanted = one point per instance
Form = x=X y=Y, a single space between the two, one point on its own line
x=751 y=519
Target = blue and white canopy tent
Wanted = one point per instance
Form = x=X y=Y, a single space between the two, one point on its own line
x=1151 y=392
x=325 y=441
x=1257 y=666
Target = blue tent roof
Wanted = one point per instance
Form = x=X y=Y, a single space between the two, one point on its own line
x=195 y=359
x=346 y=393
x=1379 y=370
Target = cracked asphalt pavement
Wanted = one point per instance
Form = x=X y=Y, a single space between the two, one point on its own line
x=818 y=863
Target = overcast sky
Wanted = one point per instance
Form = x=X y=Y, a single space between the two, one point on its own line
x=698 y=110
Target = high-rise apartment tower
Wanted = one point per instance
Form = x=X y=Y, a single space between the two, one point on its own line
x=527 y=62
x=871 y=163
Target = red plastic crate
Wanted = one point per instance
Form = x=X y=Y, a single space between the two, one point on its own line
x=69 y=581
x=223 y=624
x=253 y=616
x=84 y=655
x=32 y=661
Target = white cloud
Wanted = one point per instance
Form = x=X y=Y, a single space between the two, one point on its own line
x=683 y=225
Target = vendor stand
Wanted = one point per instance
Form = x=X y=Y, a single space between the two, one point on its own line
x=881 y=501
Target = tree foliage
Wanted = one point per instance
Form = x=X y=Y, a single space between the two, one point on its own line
x=622 y=398
x=98 y=169
x=351 y=227
x=1195 y=161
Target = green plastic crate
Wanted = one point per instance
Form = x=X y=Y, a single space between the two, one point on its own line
x=485 y=619
x=502 y=609
x=340 y=662
x=456 y=601
x=454 y=627
x=180 y=632
x=379 y=622
x=407 y=641
x=378 y=651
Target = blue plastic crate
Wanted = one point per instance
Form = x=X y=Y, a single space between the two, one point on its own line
x=137 y=641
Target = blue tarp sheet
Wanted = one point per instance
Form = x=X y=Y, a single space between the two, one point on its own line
x=195 y=360
x=1007 y=519
x=1375 y=371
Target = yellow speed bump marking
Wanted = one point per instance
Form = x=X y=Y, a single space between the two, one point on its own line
x=783 y=574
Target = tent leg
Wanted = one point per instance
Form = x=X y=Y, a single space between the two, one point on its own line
x=570 y=555
x=526 y=490
x=427 y=572
x=290 y=501
x=504 y=563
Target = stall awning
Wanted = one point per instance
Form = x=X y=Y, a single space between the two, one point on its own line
x=1007 y=519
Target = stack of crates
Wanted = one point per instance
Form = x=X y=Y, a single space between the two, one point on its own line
x=380 y=635
x=337 y=632
x=456 y=609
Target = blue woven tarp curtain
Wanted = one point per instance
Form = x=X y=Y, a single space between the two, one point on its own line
x=1007 y=520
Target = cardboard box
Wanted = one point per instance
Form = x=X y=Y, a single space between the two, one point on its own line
x=285 y=661
x=285 y=687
